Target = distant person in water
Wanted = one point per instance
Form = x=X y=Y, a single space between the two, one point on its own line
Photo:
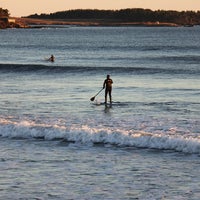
x=108 y=88
x=52 y=58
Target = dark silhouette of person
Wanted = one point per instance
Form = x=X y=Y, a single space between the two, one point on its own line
x=108 y=88
x=52 y=58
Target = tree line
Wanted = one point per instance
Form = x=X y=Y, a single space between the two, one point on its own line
x=4 y=12
x=126 y=15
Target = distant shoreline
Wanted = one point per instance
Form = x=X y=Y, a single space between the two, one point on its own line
x=95 y=17
x=85 y=22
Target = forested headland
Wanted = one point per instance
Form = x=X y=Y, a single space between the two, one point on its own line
x=135 y=15
x=7 y=22
x=95 y=17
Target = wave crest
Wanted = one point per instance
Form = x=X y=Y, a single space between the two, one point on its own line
x=34 y=68
x=92 y=135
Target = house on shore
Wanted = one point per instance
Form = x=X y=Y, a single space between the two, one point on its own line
x=11 y=20
x=6 y=22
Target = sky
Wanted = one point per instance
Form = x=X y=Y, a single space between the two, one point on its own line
x=19 y=8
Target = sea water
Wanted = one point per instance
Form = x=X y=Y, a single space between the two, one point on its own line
x=57 y=144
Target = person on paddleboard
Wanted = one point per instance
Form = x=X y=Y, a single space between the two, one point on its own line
x=108 y=88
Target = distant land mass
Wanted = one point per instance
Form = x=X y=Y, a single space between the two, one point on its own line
x=95 y=17
x=134 y=16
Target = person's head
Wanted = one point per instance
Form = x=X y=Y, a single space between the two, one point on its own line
x=108 y=76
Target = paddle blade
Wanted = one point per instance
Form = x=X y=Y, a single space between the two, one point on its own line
x=92 y=99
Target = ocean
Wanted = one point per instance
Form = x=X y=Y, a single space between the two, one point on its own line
x=57 y=144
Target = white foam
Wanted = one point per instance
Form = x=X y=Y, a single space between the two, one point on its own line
x=113 y=136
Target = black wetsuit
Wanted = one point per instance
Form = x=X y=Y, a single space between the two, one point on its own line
x=108 y=85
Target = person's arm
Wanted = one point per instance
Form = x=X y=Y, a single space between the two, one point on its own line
x=104 y=84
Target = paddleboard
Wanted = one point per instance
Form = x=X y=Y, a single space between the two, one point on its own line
x=114 y=103
x=102 y=103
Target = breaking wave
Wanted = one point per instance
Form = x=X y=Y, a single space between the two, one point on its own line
x=106 y=136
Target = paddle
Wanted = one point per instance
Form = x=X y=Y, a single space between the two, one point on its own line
x=92 y=99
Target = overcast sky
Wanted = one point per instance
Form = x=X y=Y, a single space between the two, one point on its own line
x=20 y=8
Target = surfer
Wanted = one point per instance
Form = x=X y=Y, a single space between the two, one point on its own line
x=52 y=58
x=108 y=85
